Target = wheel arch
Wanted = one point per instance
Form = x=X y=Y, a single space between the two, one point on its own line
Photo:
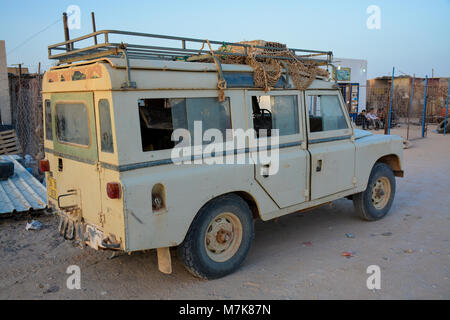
x=393 y=161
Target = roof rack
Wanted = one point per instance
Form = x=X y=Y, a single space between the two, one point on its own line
x=67 y=51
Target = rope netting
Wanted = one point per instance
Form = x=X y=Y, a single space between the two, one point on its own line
x=267 y=70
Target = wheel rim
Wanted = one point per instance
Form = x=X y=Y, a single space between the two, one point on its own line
x=381 y=193
x=223 y=237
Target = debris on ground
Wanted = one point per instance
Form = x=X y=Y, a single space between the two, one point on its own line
x=251 y=284
x=350 y=235
x=347 y=254
x=307 y=244
x=387 y=234
x=52 y=289
x=34 y=225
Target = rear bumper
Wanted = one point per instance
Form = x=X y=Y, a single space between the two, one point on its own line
x=85 y=234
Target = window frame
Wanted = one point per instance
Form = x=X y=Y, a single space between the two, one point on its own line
x=298 y=137
x=166 y=154
x=330 y=133
x=88 y=123
x=100 y=125
x=48 y=126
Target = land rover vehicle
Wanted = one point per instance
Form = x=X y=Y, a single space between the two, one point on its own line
x=108 y=152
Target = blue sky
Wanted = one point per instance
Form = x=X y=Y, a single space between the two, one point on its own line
x=414 y=35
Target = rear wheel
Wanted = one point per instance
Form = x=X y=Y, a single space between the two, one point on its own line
x=219 y=238
x=374 y=203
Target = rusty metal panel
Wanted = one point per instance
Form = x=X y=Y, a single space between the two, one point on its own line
x=21 y=192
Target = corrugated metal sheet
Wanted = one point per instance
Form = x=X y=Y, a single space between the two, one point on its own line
x=22 y=191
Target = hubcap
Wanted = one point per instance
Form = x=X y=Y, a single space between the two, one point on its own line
x=223 y=237
x=381 y=193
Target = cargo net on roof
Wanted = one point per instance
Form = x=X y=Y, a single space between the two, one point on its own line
x=267 y=70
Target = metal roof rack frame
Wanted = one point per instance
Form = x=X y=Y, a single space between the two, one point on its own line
x=68 y=52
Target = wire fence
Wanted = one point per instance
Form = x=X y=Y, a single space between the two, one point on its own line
x=417 y=104
x=26 y=110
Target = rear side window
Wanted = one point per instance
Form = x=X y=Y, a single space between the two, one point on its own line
x=325 y=113
x=160 y=117
x=48 y=121
x=72 y=124
x=105 y=126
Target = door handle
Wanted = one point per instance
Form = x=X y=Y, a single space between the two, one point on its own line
x=265 y=170
x=319 y=166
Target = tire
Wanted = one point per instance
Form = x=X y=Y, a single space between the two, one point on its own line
x=209 y=233
x=373 y=204
x=6 y=169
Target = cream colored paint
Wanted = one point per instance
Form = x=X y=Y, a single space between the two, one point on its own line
x=189 y=187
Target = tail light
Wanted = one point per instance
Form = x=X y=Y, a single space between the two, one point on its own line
x=44 y=165
x=113 y=190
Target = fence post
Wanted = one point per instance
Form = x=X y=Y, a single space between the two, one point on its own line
x=446 y=108
x=410 y=106
x=424 y=112
x=390 y=102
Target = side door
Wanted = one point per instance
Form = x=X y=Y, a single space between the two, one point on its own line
x=330 y=143
x=284 y=174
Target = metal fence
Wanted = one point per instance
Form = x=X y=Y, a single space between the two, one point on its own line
x=418 y=104
x=26 y=109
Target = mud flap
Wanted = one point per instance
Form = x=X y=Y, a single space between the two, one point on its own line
x=164 y=260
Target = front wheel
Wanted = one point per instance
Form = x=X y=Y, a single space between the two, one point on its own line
x=219 y=238
x=374 y=203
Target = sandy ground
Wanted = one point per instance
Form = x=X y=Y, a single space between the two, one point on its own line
x=296 y=257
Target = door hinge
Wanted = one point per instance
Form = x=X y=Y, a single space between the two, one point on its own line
x=102 y=219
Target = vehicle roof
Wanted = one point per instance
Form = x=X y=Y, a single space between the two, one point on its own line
x=111 y=73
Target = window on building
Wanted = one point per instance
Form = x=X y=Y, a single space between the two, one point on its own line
x=160 y=117
x=325 y=113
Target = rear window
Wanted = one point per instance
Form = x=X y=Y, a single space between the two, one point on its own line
x=72 y=124
x=105 y=126
x=48 y=121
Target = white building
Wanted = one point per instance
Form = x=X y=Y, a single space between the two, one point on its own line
x=351 y=76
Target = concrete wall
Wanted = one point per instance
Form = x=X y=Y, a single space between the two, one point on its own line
x=5 y=105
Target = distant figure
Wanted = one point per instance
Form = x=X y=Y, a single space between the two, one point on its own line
x=373 y=119
x=361 y=120
x=381 y=117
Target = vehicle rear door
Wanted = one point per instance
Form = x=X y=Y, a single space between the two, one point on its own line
x=74 y=174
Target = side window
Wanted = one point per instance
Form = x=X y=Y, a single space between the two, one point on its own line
x=105 y=126
x=160 y=117
x=275 y=112
x=72 y=124
x=325 y=113
x=48 y=121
